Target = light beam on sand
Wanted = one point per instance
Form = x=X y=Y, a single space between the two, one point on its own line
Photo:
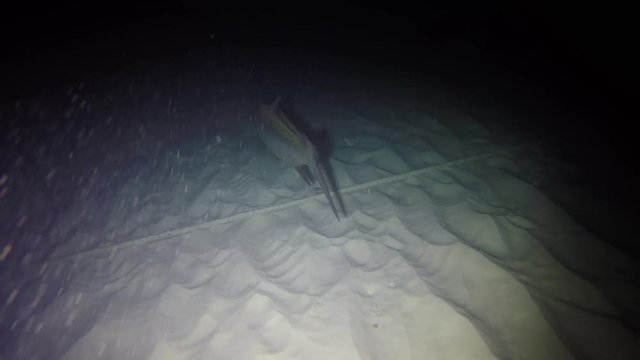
x=244 y=215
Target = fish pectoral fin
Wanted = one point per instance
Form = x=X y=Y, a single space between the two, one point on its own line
x=306 y=174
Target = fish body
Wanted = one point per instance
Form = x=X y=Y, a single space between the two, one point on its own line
x=292 y=146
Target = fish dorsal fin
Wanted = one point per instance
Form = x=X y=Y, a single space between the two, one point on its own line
x=276 y=103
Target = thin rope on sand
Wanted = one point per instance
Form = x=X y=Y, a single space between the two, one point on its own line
x=171 y=234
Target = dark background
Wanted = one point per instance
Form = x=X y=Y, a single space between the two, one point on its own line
x=577 y=56
x=567 y=72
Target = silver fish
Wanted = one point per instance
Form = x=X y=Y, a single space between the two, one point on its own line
x=292 y=146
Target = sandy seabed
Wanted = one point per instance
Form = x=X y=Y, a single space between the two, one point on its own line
x=448 y=250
